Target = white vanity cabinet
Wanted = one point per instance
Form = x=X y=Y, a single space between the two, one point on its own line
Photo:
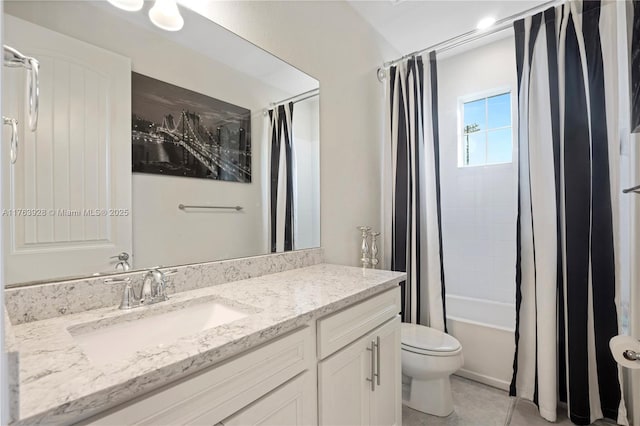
x=343 y=369
x=360 y=384
x=208 y=397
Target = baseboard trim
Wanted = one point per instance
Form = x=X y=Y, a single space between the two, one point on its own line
x=487 y=380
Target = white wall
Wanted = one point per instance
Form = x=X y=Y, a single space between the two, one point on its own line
x=329 y=41
x=164 y=235
x=306 y=143
x=478 y=203
x=4 y=382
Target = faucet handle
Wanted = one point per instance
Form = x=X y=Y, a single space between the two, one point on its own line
x=160 y=294
x=117 y=280
x=128 y=297
x=147 y=289
x=159 y=291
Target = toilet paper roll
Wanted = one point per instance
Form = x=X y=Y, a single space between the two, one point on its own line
x=619 y=344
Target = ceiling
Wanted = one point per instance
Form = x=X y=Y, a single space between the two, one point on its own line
x=237 y=52
x=228 y=49
x=413 y=25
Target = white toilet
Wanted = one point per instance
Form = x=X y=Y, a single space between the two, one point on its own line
x=429 y=357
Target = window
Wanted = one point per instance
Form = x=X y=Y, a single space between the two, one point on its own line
x=486 y=131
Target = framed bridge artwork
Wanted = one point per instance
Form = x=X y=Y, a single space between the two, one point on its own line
x=179 y=132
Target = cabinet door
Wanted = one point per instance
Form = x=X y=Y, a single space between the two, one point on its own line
x=386 y=399
x=222 y=390
x=344 y=392
x=293 y=404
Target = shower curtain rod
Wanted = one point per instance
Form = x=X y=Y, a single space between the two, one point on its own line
x=310 y=94
x=470 y=36
x=297 y=98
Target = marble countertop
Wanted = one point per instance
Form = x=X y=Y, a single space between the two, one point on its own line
x=58 y=383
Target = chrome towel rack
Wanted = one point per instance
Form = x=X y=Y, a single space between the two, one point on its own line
x=15 y=59
x=14 y=136
x=185 y=206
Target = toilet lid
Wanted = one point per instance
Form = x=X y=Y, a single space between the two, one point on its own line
x=423 y=338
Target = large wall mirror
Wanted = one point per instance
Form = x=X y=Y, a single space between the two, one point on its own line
x=153 y=148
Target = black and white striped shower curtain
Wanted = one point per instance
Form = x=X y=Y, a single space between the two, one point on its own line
x=281 y=178
x=635 y=67
x=566 y=273
x=415 y=225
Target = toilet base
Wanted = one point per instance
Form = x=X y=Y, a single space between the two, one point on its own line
x=431 y=396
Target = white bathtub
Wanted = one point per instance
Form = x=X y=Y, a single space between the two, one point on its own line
x=486 y=331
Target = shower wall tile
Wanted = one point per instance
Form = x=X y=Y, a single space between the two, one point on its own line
x=478 y=203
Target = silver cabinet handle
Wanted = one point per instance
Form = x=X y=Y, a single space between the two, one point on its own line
x=378 y=360
x=14 y=137
x=373 y=366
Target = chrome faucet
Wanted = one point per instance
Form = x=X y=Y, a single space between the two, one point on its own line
x=153 y=289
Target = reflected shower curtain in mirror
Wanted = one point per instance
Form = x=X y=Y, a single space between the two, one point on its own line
x=567 y=282
x=414 y=193
x=635 y=67
x=281 y=178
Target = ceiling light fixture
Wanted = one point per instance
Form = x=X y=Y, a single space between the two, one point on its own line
x=128 y=5
x=485 y=23
x=165 y=14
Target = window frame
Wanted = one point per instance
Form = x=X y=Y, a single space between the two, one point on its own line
x=460 y=133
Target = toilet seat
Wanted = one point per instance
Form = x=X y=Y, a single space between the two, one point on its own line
x=428 y=341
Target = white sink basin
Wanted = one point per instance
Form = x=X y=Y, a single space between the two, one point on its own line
x=113 y=342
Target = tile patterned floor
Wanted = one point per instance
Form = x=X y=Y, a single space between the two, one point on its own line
x=480 y=405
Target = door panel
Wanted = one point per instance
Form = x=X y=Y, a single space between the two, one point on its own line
x=293 y=404
x=68 y=197
x=386 y=404
x=346 y=396
x=343 y=386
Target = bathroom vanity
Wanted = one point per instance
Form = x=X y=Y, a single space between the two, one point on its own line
x=313 y=345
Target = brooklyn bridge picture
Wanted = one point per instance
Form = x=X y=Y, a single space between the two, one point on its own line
x=179 y=132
